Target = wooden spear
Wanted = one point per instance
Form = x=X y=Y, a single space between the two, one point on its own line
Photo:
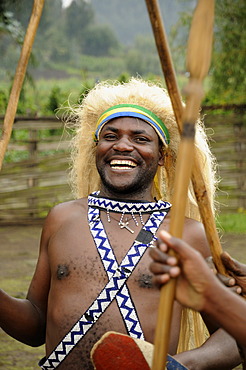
x=198 y=62
x=19 y=77
x=199 y=187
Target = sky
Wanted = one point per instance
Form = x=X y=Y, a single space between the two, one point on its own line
x=66 y=3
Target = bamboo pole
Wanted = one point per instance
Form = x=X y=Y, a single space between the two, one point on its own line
x=198 y=62
x=19 y=77
x=199 y=187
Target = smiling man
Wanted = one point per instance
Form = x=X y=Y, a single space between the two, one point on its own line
x=92 y=273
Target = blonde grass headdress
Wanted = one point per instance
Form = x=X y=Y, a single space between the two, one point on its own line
x=148 y=96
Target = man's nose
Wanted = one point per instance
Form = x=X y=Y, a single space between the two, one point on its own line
x=123 y=144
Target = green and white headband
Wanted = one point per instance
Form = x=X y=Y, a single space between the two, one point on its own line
x=131 y=110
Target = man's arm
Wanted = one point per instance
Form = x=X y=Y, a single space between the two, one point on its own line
x=25 y=319
x=219 y=352
x=197 y=287
x=22 y=320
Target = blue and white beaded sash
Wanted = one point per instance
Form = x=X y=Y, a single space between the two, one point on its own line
x=110 y=264
x=119 y=275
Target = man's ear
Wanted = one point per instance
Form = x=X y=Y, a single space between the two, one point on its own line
x=161 y=156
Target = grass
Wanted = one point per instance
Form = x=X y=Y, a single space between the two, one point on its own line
x=35 y=99
x=232 y=222
x=15 y=355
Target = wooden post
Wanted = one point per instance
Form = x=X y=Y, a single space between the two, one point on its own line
x=19 y=77
x=165 y=58
x=203 y=201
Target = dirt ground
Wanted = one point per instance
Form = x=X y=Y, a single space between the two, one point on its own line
x=18 y=255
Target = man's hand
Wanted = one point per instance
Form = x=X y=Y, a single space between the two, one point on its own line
x=227 y=280
x=194 y=278
x=236 y=269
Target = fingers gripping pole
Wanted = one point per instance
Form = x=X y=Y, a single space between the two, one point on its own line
x=198 y=61
x=19 y=76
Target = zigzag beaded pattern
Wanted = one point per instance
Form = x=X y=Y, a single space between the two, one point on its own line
x=110 y=264
x=127 y=207
x=116 y=282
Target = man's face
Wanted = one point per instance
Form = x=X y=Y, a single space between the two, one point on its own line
x=127 y=156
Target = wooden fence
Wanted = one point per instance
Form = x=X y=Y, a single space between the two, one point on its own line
x=29 y=188
x=229 y=147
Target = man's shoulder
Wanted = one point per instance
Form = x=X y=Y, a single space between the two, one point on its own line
x=192 y=223
x=64 y=211
x=75 y=204
x=194 y=234
x=62 y=216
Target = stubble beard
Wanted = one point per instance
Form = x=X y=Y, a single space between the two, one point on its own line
x=139 y=185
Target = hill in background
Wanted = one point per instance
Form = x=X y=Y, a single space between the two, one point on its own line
x=129 y=18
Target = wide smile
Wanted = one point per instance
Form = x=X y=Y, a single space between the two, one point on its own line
x=122 y=164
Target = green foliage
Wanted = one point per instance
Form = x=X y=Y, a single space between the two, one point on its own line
x=124 y=77
x=232 y=222
x=228 y=77
x=227 y=72
x=26 y=103
x=78 y=17
x=11 y=37
x=3 y=101
x=142 y=58
x=63 y=34
x=54 y=99
x=87 y=86
x=101 y=67
x=20 y=135
x=99 y=41
x=8 y=24
x=12 y=156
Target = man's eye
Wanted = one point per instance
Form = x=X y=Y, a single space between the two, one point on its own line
x=141 y=139
x=110 y=137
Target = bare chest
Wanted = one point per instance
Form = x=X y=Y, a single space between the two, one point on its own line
x=79 y=276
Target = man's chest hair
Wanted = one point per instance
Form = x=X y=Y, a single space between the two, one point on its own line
x=90 y=271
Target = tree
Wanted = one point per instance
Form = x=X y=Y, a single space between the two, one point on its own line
x=99 y=41
x=228 y=61
x=228 y=74
x=51 y=43
x=142 y=58
x=78 y=16
x=8 y=23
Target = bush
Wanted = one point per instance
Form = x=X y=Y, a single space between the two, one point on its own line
x=54 y=99
x=3 y=102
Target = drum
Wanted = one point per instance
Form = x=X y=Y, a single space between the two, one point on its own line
x=115 y=351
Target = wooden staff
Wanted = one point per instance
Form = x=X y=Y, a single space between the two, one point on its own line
x=199 y=187
x=198 y=62
x=19 y=76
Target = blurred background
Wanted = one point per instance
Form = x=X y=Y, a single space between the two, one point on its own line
x=78 y=44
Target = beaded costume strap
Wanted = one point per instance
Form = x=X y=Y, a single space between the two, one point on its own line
x=126 y=206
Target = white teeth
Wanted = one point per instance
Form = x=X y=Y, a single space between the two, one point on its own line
x=122 y=163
